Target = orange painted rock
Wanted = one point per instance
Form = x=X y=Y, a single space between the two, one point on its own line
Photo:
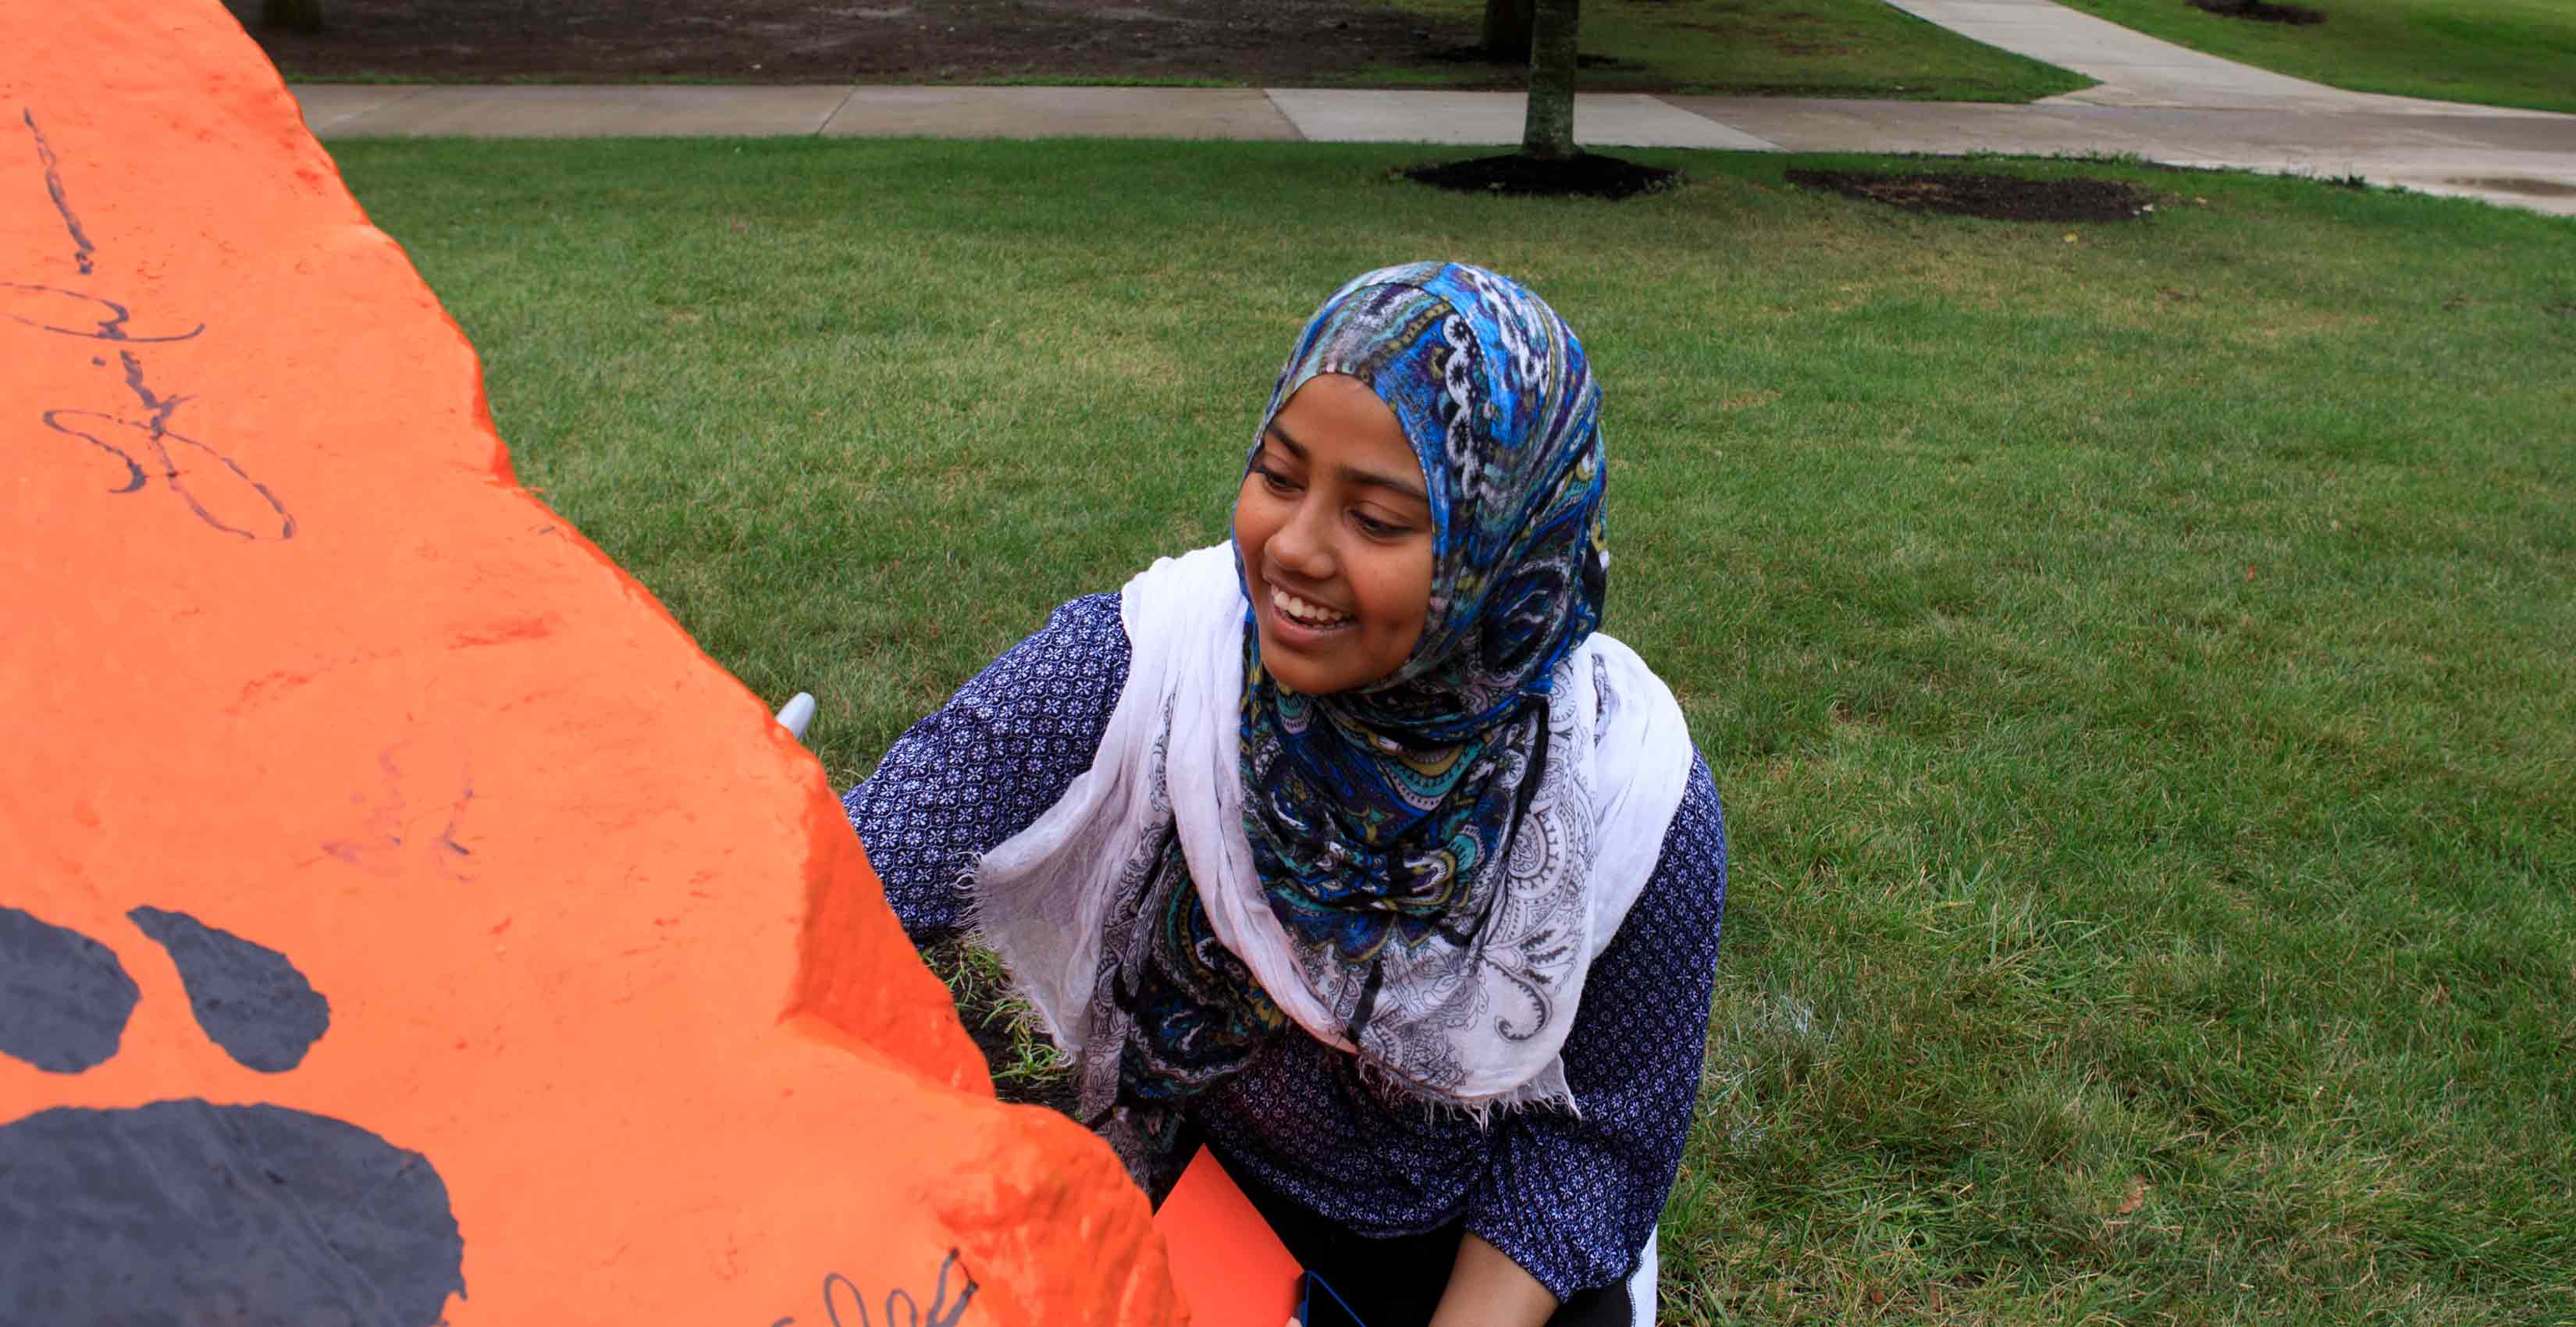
x=404 y=922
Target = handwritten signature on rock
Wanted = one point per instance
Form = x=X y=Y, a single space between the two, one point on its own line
x=217 y=490
x=840 y=1293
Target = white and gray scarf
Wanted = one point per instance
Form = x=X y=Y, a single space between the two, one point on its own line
x=1477 y=1024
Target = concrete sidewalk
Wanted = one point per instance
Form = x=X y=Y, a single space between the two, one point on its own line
x=2519 y=159
x=2155 y=100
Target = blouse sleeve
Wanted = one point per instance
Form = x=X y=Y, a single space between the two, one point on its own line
x=986 y=764
x=1571 y=1198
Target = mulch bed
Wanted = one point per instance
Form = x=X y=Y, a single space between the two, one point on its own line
x=1274 y=43
x=2261 y=11
x=1583 y=175
x=1995 y=197
x=2516 y=184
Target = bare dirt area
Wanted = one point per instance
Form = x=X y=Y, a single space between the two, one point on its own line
x=1278 y=43
x=2261 y=11
x=1995 y=197
x=1584 y=175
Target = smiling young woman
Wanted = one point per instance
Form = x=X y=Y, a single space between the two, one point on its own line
x=1351 y=849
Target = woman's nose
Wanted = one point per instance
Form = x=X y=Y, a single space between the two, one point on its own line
x=1304 y=543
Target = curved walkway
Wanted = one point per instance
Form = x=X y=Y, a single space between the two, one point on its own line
x=2138 y=70
x=2155 y=101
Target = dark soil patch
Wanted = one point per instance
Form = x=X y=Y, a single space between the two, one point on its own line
x=984 y=1010
x=1995 y=197
x=1583 y=175
x=2515 y=184
x=841 y=41
x=2261 y=11
x=992 y=1036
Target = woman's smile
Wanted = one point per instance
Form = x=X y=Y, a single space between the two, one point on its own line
x=1300 y=613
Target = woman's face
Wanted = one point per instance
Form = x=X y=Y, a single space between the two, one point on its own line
x=1334 y=529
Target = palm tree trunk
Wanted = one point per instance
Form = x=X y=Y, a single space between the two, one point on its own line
x=1548 y=132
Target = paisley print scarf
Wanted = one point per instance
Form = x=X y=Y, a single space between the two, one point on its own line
x=1418 y=871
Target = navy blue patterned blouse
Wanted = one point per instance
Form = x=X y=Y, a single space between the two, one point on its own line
x=1570 y=1198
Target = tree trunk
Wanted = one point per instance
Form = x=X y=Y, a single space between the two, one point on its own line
x=1548 y=132
x=293 y=15
x=1507 y=31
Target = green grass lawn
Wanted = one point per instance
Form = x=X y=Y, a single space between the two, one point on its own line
x=2497 y=52
x=1816 y=48
x=2134 y=656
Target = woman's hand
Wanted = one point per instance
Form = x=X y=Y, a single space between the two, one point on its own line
x=1488 y=1289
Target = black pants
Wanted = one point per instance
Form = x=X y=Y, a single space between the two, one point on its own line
x=1397 y=1282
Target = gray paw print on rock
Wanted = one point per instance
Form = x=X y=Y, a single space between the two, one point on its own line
x=182 y=1211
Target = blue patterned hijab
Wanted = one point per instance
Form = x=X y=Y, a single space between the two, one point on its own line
x=1373 y=814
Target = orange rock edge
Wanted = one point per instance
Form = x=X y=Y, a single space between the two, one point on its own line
x=293 y=658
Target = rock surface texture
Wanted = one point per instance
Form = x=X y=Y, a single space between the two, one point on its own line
x=404 y=921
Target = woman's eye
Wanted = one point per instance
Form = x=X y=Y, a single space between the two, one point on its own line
x=1273 y=480
x=1370 y=525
